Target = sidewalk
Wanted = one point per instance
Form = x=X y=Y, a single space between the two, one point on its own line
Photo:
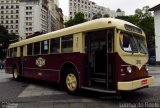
x=154 y=69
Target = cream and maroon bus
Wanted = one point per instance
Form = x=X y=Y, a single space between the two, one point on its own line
x=105 y=55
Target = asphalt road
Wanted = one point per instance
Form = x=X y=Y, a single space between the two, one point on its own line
x=39 y=94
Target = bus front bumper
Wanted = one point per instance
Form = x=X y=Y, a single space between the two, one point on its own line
x=135 y=84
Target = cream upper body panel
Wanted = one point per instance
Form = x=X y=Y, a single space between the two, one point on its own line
x=101 y=23
x=136 y=59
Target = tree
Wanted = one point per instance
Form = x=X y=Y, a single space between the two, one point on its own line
x=144 y=20
x=96 y=16
x=78 y=18
x=5 y=40
x=118 y=10
x=106 y=15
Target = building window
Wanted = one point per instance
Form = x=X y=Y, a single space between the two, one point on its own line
x=17 y=11
x=55 y=45
x=67 y=44
x=29 y=8
x=45 y=47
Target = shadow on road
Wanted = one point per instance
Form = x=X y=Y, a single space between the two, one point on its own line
x=137 y=96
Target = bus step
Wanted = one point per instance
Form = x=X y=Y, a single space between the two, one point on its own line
x=102 y=74
x=98 y=89
x=99 y=75
x=98 y=80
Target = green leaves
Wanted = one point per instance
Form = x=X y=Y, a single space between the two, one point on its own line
x=5 y=40
x=78 y=18
x=145 y=21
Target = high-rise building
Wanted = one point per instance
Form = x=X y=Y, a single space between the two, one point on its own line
x=90 y=9
x=33 y=17
x=9 y=15
x=25 y=17
x=56 y=15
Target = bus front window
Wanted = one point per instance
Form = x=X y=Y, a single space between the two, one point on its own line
x=132 y=43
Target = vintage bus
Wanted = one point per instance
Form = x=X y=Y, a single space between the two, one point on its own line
x=105 y=55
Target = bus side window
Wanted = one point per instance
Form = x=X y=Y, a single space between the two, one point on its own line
x=36 y=48
x=8 y=53
x=14 y=54
x=67 y=44
x=29 y=49
x=45 y=47
x=55 y=45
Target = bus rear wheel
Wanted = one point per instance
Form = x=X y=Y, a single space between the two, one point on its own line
x=71 y=81
x=15 y=74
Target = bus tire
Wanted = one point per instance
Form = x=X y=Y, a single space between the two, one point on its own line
x=15 y=74
x=71 y=81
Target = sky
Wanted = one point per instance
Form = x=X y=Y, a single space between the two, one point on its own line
x=129 y=6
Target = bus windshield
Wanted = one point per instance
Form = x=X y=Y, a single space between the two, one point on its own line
x=132 y=43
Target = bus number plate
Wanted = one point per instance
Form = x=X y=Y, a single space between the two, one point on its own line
x=143 y=82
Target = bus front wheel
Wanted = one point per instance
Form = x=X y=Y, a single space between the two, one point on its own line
x=71 y=81
x=15 y=74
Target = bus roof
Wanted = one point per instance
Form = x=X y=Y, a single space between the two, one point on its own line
x=83 y=27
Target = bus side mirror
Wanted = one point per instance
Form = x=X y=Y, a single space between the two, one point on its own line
x=125 y=41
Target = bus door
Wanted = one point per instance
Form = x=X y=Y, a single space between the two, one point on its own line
x=21 y=60
x=98 y=69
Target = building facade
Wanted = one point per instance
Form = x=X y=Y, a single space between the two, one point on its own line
x=33 y=17
x=57 y=15
x=90 y=9
x=9 y=15
x=26 y=17
x=156 y=10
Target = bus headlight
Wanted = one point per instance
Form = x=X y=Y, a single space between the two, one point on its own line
x=129 y=69
x=146 y=67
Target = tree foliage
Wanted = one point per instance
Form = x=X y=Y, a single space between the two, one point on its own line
x=78 y=18
x=145 y=21
x=106 y=16
x=5 y=40
x=96 y=16
x=118 y=10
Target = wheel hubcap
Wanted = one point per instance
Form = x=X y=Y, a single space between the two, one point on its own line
x=15 y=74
x=71 y=82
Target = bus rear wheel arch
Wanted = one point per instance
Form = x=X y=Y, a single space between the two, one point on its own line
x=16 y=73
x=71 y=81
x=69 y=78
